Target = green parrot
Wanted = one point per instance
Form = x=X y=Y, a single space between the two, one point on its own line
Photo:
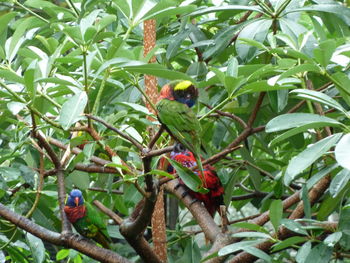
x=176 y=99
x=85 y=219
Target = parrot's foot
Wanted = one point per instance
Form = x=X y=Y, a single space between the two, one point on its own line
x=184 y=193
x=193 y=201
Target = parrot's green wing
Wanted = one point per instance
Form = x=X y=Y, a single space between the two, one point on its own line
x=97 y=228
x=181 y=122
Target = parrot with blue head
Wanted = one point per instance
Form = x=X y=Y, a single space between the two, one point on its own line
x=175 y=114
x=85 y=219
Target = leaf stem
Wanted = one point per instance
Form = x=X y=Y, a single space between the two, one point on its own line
x=31 y=12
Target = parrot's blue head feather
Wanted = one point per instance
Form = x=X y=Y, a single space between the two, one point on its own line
x=75 y=198
x=185 y=92
x=188 y=101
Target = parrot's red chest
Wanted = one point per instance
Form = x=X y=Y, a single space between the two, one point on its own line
x=75 y=213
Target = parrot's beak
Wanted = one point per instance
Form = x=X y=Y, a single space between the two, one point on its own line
x=76 y=201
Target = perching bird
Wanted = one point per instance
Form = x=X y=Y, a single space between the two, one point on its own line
x=214 y=198
x=86 y=219
x=179 y=120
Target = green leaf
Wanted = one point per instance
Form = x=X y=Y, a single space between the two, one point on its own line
x=250 y=226
x=188 y=177
x=306 y=201
x=158 y=71
x=338 y=183
x=318 y=97
x=333 y=239
x=205 y=10
x=324 y=52
x=276 y=213
x=29 y=77
x=320 y=254
x=252 y=235
x=62 y=254
x=288 y=242
x=342 y=83
x=257 y=253
x=303 y=252
x=72 y=110
x=291 y=53
x=237 y=246
x=328 y=8
x=294 y=226
x=232 y=67
x=5 y=20
x=342 y=151
x=168 y=12
x=261 y=86
x=318 y=176
x=11 y=76
x=308 y=156
x=37 y=247
x=257 y=31
x=292 y=120
x=300 y=69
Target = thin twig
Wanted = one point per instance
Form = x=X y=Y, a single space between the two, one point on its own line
x=120 y=133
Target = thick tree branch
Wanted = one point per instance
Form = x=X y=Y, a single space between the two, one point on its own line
x=68 y=240
x=199 y=212
x=66 y=226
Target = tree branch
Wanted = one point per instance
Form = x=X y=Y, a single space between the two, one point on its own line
x=68 y=240
x=120 y=133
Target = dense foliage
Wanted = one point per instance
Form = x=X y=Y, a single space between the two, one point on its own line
x=273 y=77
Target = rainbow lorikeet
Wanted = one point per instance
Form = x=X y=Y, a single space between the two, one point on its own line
x=212 y=199
x=86 y=219
x=176 y=99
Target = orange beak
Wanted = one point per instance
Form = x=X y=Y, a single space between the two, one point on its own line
x=76 y=201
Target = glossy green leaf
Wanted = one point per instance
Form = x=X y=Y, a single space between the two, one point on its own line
x=256 y=30
x=303 y=252
x=258 y=253
x=324 y=52
x=292 y=120
x=288 y=242
x=252 y=235
x=158 y=71
x=237 y=246
x=306 y=201
x=188 y=177
x=321 y=253
x=333 y=239
x=342 y=151
x=318 y=97
x=294 y=226
x=72 y=110
x=300 y=69
x=339 y=182
x=276 y=213
x=168 y=12
x=227 y=8
x=327 y=8
x=37 y=247
x=308 y=156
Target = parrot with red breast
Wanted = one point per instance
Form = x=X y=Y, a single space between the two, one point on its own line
x=85 y=219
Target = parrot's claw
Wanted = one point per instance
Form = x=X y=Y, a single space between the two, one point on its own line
x=183 y=195
x=193 y=201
